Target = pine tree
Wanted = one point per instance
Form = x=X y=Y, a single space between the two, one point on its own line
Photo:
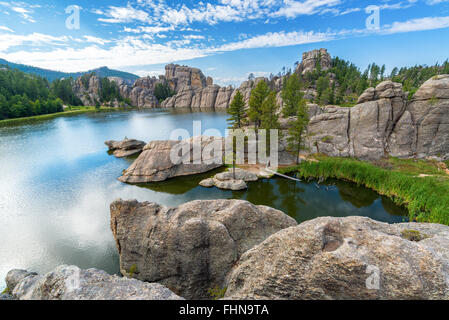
x=269 y=118
x=291 y=96
x=297 y=130
x=258 y=96
x=236 y=111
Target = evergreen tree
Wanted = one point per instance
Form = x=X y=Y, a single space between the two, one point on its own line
x=297 y=131
x=258 y=96
x=236 y=110
x=291 y=96
x=269 y=118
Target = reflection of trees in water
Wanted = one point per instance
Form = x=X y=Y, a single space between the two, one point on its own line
x=291 y=193
x=393 y=208
x=358 y=196
x=260 y=193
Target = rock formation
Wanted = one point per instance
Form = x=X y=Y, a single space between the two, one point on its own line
x=226 y=181
x=72 y=283
x=311 y=58
x=155 y=162
x=346 y=258
x=190 y=248
x=125 y=148
x=385 y=123
x=87 y=89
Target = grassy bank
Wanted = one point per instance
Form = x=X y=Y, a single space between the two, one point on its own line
x=72 y=112
x=419 y=185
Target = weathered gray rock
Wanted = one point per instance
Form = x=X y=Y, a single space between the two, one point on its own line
x=180 y=77
x=231 y=184
x=310 y=59
x=72 y=283
x=384 y=123
x=224 y=97
x=240 y=174
x=191 y=248
x=226 y=181
x=155 y=162
x=14 y=277
x=125 y=148
x=346 y=258
x=87 y=89
x=207 y=183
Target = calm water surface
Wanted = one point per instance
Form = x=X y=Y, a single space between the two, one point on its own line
x=57 y=181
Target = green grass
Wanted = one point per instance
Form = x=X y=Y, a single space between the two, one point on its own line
x=426 y=198
x=72 y=112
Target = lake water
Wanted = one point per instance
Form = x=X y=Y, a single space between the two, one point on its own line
x=57 y=181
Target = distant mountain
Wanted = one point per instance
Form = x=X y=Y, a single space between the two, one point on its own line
x=51 y=75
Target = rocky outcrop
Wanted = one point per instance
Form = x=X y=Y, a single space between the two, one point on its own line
x=346 y=258
x=72 y=283
x=87 y=88
x=190 y=248
x=385 y=123
x=311 y=58
x=423 y=129
x=180 y=77
x=125 y=148
x=227 y=180
x=155 y=163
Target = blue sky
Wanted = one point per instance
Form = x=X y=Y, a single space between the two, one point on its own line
x=227 y=39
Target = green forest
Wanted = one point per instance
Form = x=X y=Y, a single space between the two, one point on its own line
x=25 y=95
x=344 y=82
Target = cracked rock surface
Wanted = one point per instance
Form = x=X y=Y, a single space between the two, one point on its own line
x=190 y=248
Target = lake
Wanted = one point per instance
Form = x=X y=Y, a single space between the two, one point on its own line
x=58 y=181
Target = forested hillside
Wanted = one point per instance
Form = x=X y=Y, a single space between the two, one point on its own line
x=51 y=75
x=343 y=82
x=23 y=95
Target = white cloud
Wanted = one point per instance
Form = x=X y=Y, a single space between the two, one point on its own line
x=23 y=9
x=421 y=24
x=123 y=14
x=278 y=39
x=292 y=9
x=6 y=29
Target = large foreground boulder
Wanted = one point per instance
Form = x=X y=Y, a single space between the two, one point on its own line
x=191 y=248
x=72 y=283
x=346 y=258
x=155 y=163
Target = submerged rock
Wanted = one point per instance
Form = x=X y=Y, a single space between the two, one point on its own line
x=190 y=248
x=346 y=258
x=72 y=283
x=125 y=148
x=155 y=163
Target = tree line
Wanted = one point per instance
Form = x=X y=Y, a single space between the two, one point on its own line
x=25 y=95
x=263 y=111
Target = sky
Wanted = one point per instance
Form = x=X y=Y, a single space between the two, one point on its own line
x=227 y=39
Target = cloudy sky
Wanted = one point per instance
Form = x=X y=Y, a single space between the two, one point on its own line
x=227 y=39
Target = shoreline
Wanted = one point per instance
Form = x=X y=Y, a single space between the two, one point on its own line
x=51 y=116
x=425 y=196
